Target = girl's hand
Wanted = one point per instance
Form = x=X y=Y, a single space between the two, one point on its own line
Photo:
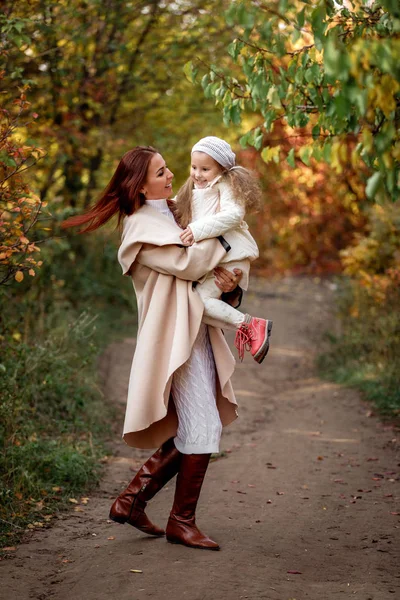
x=225 y=280
x=187 y=237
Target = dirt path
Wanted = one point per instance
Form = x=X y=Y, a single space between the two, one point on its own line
x=305 y=504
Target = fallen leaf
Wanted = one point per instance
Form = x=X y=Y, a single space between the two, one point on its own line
x=9 y=549
x=320 y=458
x=73 y=500
x=371 y=458
x=250 y=485
x=112 y=537
x=295 y=572
x=135 y=571
x=79 y=509
x=235 y=481
x=240 y=492
x=280 y=493
x=84 y=500
x=395 y=513
x=269 y=501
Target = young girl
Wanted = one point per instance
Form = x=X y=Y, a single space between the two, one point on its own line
x=210 y=204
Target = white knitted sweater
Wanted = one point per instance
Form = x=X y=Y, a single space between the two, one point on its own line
x=215 y=212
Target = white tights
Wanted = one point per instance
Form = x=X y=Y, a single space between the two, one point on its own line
x=217 y=312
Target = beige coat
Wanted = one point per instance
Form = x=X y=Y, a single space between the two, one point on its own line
x=170 y=312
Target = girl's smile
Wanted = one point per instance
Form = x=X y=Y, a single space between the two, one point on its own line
x=204 y=169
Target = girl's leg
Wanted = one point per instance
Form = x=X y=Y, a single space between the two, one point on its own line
x=216 y=312
x=251 y=333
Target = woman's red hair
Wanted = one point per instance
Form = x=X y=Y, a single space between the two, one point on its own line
x=122 y=196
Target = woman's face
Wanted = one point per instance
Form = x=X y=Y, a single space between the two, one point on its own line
x=204 y=169
x=159 y=178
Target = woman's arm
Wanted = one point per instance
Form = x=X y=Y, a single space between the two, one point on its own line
x=185 y=263
x=228 y=283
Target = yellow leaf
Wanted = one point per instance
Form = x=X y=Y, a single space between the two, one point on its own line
x=19 y=276
x=17 y=336
x=135 y=570
x=73 y=500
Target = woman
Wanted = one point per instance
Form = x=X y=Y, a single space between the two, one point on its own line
x=180 y=393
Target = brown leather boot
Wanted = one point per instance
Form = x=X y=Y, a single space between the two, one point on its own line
x=154 y=474
x=181 y=527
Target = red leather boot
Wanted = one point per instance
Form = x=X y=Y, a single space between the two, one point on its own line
x=253 y=335
x=181 y=527
x=129 y=507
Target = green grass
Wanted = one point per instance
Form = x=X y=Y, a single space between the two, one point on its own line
x=366 y=354
x=54 y=421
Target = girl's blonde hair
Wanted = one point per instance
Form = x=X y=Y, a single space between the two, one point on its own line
x=245 y=189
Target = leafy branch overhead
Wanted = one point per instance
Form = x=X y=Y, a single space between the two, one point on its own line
x=329 y=69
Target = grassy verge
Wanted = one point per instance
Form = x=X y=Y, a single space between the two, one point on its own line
x=366 y=353
x=54 y=421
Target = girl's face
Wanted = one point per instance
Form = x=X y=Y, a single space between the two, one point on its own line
x=159 y=178
x=204 y=169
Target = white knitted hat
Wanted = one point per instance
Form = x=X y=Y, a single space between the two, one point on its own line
x=218 y=149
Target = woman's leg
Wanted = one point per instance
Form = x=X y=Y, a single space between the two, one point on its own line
x=181 y=527
x=199 y=432
x=129 y=507
x=194 y=393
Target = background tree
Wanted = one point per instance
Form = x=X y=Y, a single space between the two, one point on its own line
x=331 y=66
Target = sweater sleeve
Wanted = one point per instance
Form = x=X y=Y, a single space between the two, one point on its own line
x=230 y=216
x=190 y=263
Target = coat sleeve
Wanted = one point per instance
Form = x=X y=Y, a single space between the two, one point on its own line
x=230 y=216
x=190 y=263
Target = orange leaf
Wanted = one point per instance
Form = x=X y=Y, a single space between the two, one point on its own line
x=19 y=276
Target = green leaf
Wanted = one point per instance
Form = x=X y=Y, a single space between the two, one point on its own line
x=273 y=97
x=373 y=184
x=305 y=154
x=300 y=17
x=7 y=160
x=189 y=71
x=290 y=158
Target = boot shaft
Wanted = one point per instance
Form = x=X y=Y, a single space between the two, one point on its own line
x=189 y=482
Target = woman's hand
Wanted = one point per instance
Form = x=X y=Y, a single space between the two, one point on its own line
x=187 y=237
x=225 y=280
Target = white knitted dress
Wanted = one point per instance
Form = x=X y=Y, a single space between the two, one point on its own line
x=194 y=389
